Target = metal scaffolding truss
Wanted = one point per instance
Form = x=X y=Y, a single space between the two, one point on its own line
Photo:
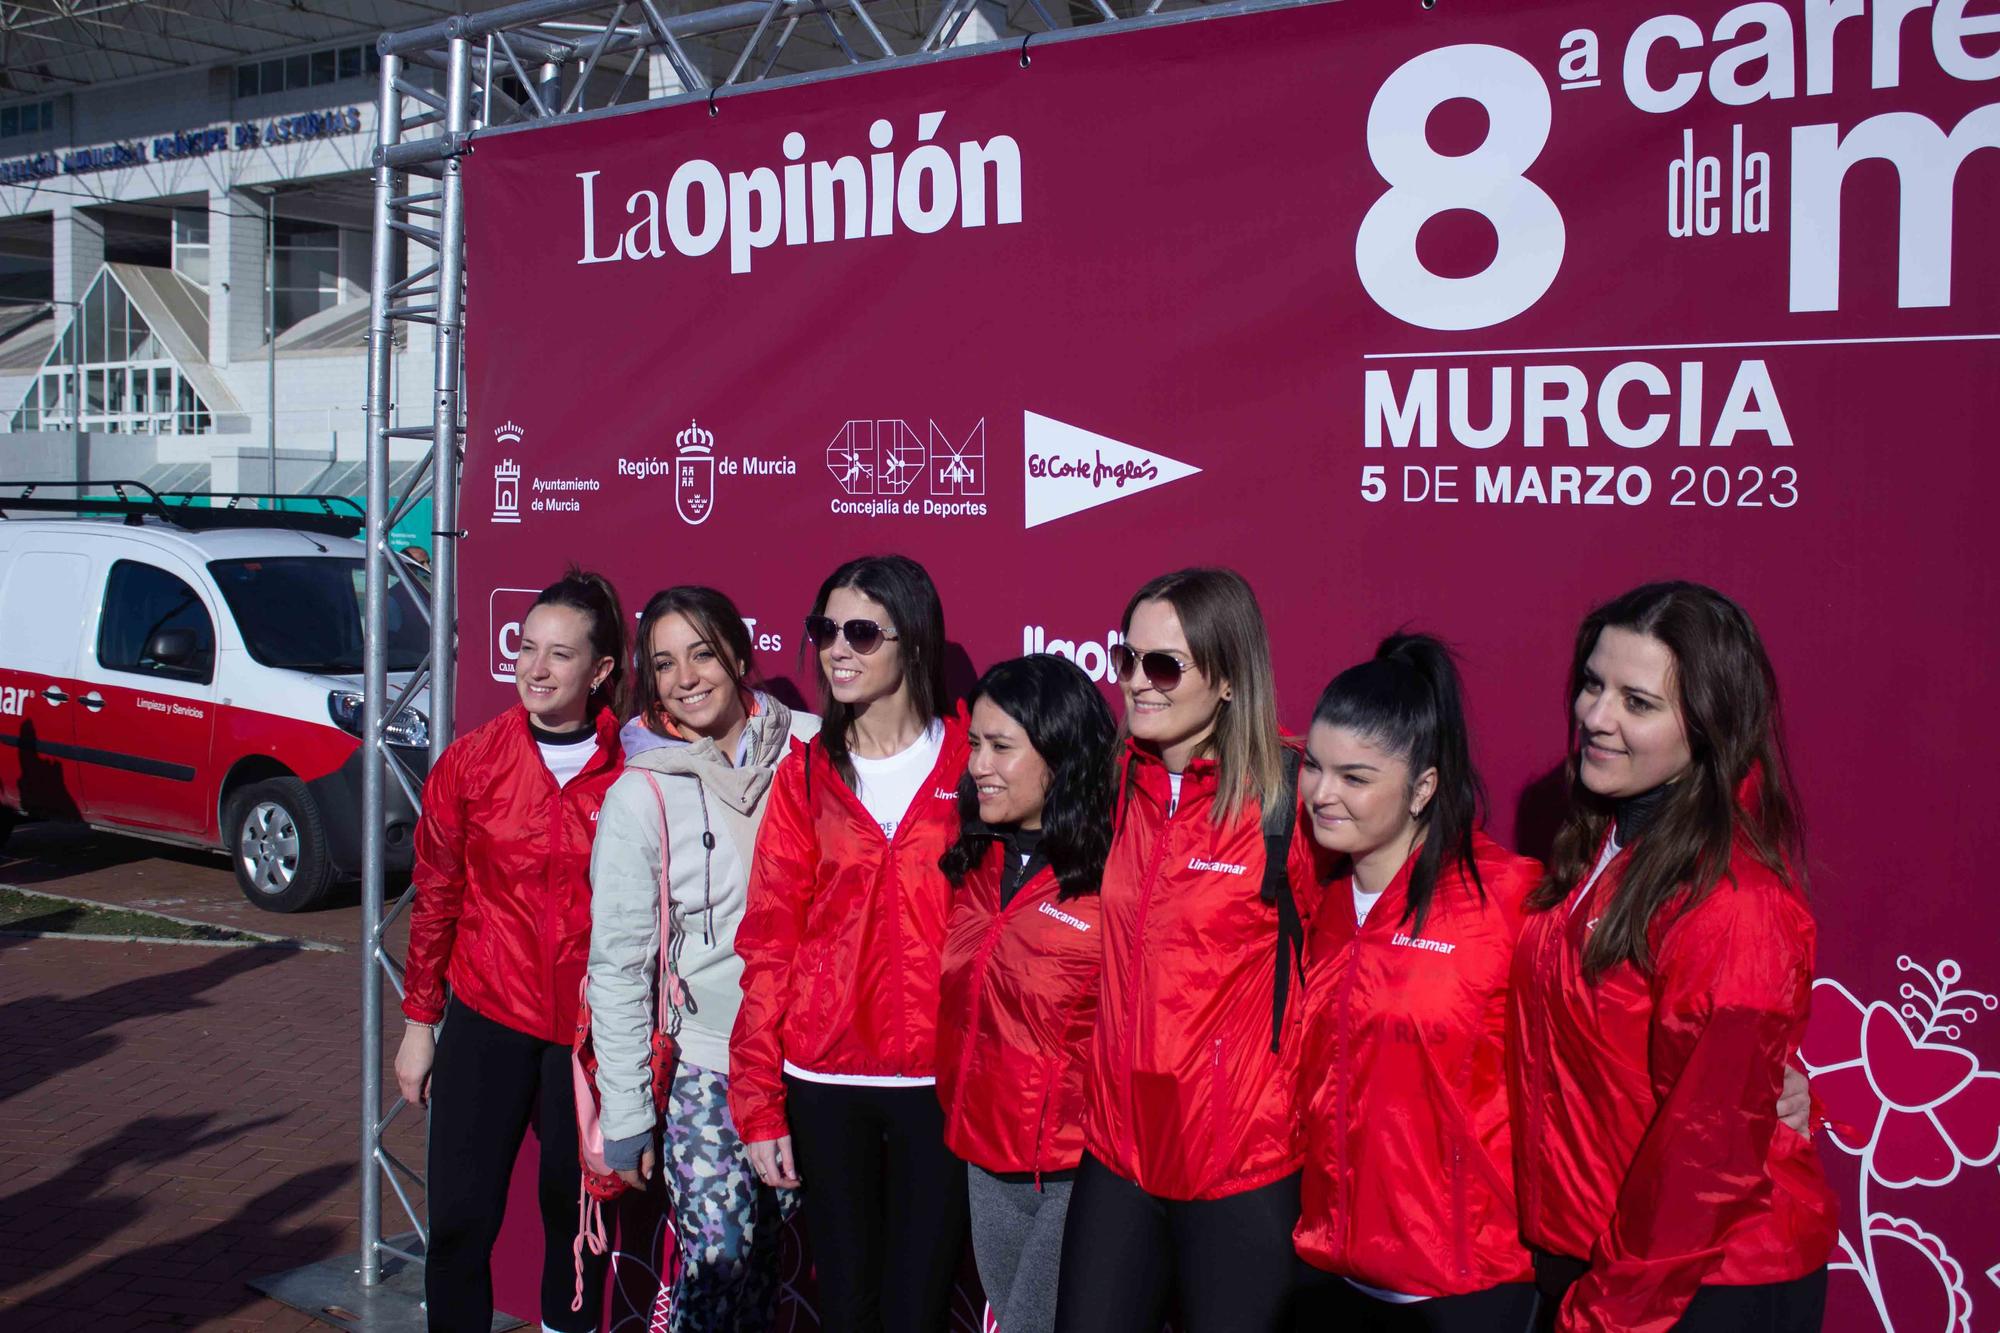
x=538 y=63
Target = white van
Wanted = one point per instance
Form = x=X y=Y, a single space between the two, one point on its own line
x=193 y=675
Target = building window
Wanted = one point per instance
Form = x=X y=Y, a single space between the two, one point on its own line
x=191 y=244
x=313 y=69
x=109 y=364
x=308 y=270
x=33 y=118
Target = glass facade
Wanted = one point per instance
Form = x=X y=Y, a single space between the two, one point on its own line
x=308 y=270
x=311 y=70
x=33 y=118
x=110 y=367
x=191 y=244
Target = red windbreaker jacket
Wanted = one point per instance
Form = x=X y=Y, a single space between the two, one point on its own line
x=1644 y=1107
x=503 y=879
x=1409 y=1178
x=1015 y=1011
x=1185 y=1098
x=841 y=936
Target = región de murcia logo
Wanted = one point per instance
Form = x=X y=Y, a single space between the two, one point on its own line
x=694 y=473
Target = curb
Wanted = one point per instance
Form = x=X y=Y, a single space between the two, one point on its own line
x=256 y=939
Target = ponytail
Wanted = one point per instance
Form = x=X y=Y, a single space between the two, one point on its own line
x=1408 y=701
x=591 y=594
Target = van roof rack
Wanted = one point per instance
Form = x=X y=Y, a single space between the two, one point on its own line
x=135 y=502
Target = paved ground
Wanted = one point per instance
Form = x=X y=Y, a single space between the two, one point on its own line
x=174 y=1119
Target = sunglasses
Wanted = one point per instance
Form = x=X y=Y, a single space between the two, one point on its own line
x=1163 y=670
x=863 y=636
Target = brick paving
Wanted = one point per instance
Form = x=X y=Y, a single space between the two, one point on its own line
x=173 y=1119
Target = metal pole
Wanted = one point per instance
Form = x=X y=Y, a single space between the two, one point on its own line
x=381 y=349
x=445 y=441
x=271 y=350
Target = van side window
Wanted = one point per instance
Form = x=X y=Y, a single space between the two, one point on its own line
x=155 y=625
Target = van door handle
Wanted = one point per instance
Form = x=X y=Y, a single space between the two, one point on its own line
x=54 y=695
x=93 y=701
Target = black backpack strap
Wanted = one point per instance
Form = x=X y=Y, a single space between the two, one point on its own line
x=1280 y=822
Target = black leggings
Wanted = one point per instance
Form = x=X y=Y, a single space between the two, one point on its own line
x=884 y=1202
x=1334 y=1305
x=1798 y=1306
x=1126 y=1253
x=488 y=1082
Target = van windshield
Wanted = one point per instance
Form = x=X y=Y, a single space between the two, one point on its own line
x=303 y=613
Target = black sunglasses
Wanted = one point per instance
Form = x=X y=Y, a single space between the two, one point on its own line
x=863 y=636
x=1163 y=670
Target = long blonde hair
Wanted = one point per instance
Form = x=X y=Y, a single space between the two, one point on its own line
x=1227 y=639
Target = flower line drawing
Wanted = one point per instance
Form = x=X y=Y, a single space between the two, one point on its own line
x=1915 y=1110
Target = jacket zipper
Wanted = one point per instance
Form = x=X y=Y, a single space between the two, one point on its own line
x=1218 y=1096
x=986 y=947
x=1139 y=947
x=1460 y=1241
x=894 y=880
x=1343 y=1065
x=1049 y=1077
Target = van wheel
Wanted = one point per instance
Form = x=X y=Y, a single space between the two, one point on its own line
x=277 y=845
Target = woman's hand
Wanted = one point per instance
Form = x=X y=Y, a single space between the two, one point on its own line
x=413 y=1063
x=1795 y=1102
x=637 y=1176
x=773 y=1162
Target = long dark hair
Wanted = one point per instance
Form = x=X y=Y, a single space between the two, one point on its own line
x=591 y=593
x=1226 y=637
x=905 y=591
x=1407 y=700
x=1727 y=695
x=1070 y=726
x=714 y=617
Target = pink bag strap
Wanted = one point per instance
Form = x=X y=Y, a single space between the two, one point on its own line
x=670 y=986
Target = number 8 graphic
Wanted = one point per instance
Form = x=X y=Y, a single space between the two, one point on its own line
x=1487 y=181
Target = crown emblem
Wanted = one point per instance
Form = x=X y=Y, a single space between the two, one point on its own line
x=507 y=468
x=508 y=432
x=695 y=440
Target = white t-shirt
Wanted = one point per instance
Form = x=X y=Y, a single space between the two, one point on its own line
x=1603 y=859
x=886 y=788
x=1173 y=792
x=1385 y=1295
x=1364 y=903
x=566 y=759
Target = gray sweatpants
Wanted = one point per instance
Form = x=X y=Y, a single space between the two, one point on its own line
x=1017 y=1234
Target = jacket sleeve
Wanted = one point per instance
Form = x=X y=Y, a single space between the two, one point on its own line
x=624 y=953
x=783 y=873
x=438 y=875
x=1731 y=986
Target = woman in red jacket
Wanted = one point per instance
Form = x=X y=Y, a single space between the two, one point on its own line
x=1021 y=961
x=1660 y=987
x=1408 y=1191
x=834 y=1050
x=1189 y=1182
x=502 y=914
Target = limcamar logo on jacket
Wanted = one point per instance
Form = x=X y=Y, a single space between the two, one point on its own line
x=1046 y=910
x=1221 y=867
x=1411 y=942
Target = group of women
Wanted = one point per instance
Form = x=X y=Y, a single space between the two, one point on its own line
x=1180 y=1017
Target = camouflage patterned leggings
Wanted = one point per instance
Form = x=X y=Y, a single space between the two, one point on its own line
x=727 y=1224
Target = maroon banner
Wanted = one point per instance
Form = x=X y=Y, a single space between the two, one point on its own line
x=1462 y=319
